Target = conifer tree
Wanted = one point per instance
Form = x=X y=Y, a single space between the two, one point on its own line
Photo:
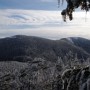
x=71 y=7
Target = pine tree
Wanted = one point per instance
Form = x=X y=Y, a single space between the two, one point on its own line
x=72 y=5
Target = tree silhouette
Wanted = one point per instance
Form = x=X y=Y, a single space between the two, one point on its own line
x=72 y=5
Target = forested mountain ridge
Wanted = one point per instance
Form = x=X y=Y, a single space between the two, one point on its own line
x=34 y=63
x=26 y=48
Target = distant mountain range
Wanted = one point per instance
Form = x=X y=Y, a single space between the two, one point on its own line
x=26 y=48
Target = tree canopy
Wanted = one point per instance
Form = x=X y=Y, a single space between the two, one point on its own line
x=72 y=5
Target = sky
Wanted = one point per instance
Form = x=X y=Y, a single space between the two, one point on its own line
x=40 y=18
x=29 y=4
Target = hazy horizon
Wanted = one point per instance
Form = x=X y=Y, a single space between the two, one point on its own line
x=40 y=18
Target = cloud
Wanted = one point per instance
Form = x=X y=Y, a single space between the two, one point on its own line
x=48 y=24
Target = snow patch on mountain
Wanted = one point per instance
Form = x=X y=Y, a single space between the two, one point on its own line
x=70 y=40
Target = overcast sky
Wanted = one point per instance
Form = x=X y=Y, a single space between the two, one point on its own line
x=40 y=18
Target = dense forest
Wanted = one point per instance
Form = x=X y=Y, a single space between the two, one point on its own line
x=43 y=64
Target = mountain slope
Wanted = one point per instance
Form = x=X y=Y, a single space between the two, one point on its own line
x=24 y=48
x=79 y=42
x=41 y=73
